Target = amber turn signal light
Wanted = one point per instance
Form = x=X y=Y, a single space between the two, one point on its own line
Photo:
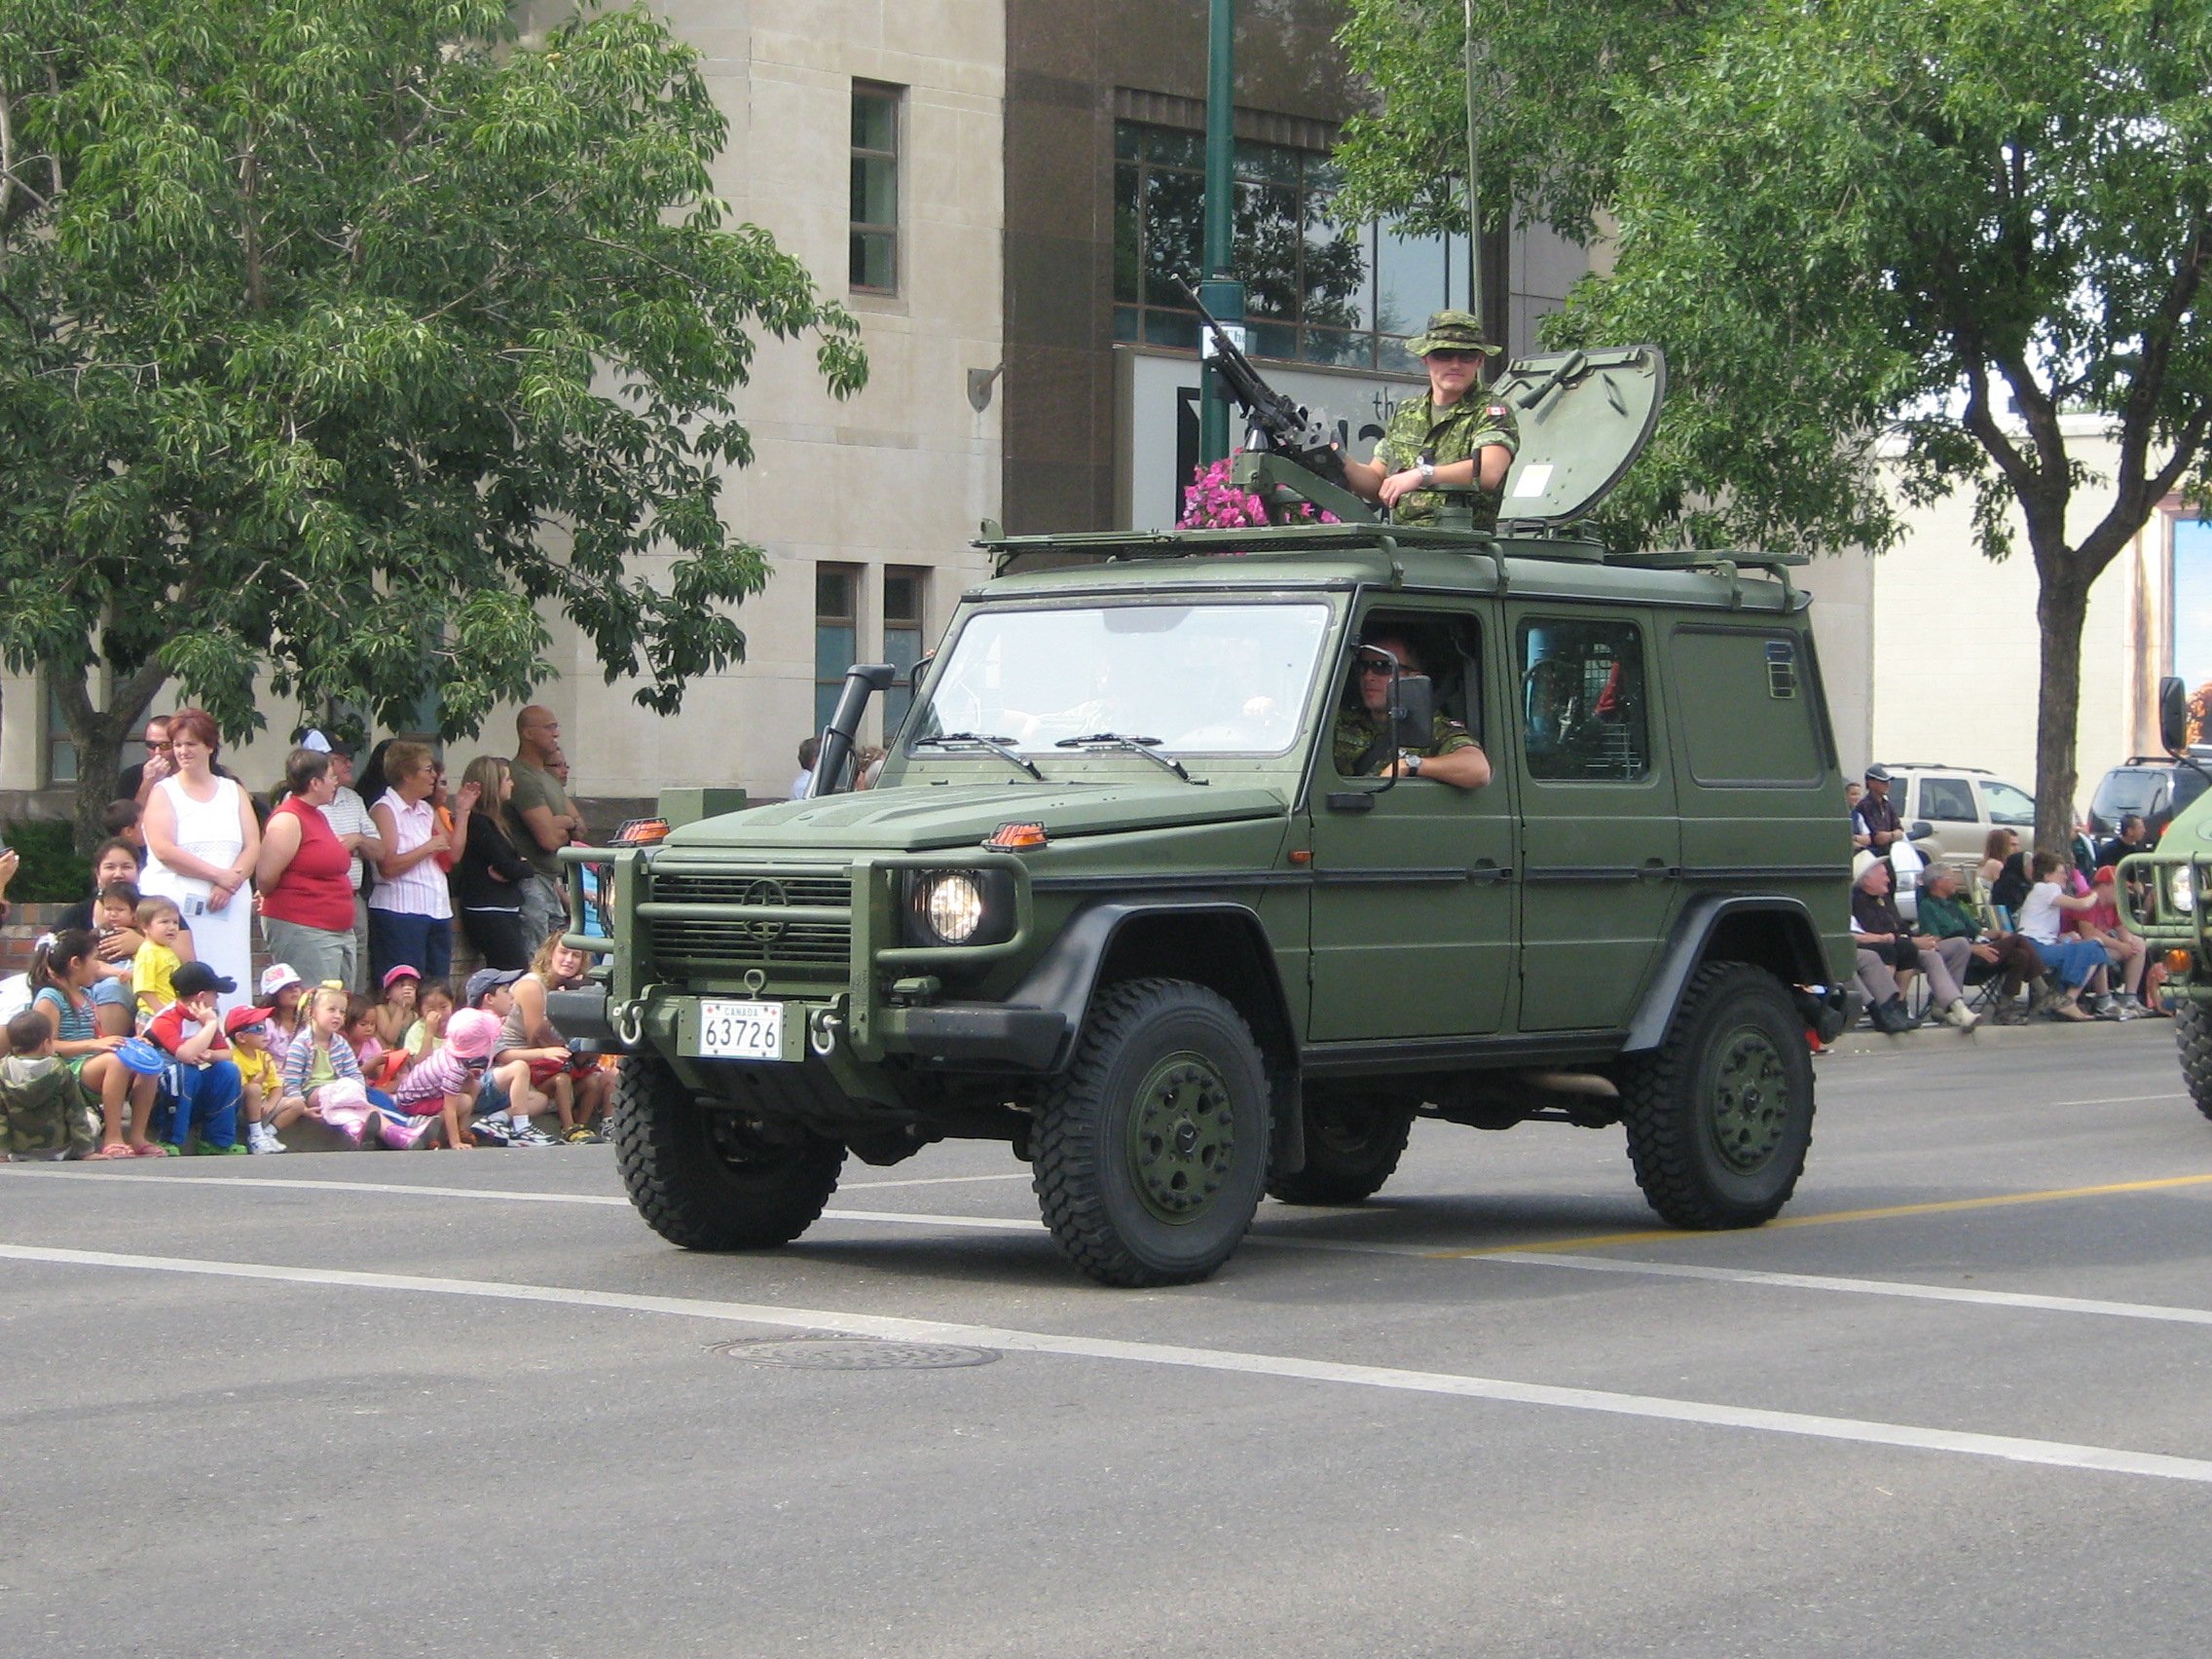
x=1016 y=837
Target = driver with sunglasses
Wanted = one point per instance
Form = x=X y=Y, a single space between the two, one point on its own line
x=1362 y=741
x=1453 y=436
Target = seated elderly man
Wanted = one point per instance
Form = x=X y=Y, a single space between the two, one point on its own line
x=1887 y=950
x=1364 y=744
x=1945 y=916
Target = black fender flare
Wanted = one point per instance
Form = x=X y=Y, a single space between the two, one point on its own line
x=1800 y=962
x=1065 y=981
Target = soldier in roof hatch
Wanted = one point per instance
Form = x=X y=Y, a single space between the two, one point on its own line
x=1446 y=438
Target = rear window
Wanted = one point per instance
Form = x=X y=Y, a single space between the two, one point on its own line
x=2125 y=791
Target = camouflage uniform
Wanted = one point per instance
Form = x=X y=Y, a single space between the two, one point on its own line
x=1358 y=730
x=1461 y=432
x=45 y=1111
x=1458 y=433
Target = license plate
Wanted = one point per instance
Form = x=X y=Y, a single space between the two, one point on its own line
x=741 y=1030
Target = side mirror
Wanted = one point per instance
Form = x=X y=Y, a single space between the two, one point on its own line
x=1413 y=711
x=1920 y=830
x=2173 y=714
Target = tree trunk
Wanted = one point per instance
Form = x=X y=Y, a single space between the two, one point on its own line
x=99 y=738
x=2062 y=603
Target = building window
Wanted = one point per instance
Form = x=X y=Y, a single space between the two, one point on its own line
x=836 y=634
x=1316 y=292
x=60 y=751
x=875 y=189
x=905 y=589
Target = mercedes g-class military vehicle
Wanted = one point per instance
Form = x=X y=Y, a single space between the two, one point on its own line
x=1163 y=882
x=2168 y=895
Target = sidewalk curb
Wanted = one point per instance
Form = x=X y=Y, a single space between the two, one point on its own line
x=2036 y=1033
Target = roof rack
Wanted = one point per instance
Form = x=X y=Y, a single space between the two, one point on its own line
x=1728 y=565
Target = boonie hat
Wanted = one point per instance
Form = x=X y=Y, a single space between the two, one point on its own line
x=487 y=980
x=275 y=976
x=1877 y=774
x=193 y=977
x=246 y=1018
x=472 y=1034
x=1452 y=331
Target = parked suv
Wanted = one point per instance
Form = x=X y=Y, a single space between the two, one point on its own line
x=1960 y=805
x=1128 y=898
x=2154 y=788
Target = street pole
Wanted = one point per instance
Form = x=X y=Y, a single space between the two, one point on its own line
x=1223 y=294
x=1474 y=189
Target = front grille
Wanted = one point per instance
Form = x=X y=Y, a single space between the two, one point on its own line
x=796 y=922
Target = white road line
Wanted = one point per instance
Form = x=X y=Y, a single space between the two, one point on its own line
x=1903 y=1289
x=1863 y=1287
x=1854 y=1430
x=2116 y=1100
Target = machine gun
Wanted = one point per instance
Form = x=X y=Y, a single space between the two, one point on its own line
x=1273 y=422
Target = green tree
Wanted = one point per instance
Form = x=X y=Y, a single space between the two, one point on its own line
x=341 y=341
x=1955 y=221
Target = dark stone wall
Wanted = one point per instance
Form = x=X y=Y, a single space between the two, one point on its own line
x=1063 y=66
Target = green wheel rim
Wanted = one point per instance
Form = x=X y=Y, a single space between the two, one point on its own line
x=1182 y=1138
x=1749 y=1100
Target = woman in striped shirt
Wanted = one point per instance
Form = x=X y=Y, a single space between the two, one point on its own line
x=411 y=909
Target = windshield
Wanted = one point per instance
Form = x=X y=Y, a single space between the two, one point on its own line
x=1200 y=678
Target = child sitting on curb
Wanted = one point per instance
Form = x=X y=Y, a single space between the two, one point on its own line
x=281 y=993
x=262 y=1098
x=202 y=1081
x=449 y=1080
x=46 y=1114
x=63 y=970
x=322 y=1069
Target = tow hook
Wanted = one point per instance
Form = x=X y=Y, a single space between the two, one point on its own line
x=628 y=1023
x=821 y=1028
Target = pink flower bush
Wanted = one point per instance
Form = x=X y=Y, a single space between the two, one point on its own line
x=1212 y=502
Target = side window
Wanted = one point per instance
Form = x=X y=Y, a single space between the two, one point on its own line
x=1947 y=800
x=1447 y=649
x=1582 y=701
x=2013 y=809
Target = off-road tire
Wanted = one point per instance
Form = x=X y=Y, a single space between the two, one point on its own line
x=2192 y=1037
x=1710 y=1145
x=1353 y=1146
x=1151 y=1150
x=701 y=1178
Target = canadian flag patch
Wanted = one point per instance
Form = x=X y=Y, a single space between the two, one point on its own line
x=1495 y=409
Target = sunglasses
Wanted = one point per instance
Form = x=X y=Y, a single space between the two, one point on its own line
x=1369 y=665
x=1454 y=357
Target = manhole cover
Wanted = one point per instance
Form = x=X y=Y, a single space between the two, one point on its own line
x=855 y=1353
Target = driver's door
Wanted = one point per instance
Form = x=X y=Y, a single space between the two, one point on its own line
x=1413 y=912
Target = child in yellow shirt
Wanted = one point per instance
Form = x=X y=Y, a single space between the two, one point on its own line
x=153 y=971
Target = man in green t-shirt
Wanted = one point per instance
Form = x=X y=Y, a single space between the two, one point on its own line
x=540 y=820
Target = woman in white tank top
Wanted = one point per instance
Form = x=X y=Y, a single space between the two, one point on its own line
x=202 y=840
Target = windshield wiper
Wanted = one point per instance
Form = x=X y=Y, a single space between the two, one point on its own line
x=1135 y=745
x=977 y=740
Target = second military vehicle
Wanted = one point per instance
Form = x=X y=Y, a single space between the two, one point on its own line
x=1129 y=898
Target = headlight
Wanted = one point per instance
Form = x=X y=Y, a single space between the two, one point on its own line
x=2181 y=889
x=959 y=906
x=949 y=903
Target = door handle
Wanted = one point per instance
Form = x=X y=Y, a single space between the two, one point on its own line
x=1654 y=869
x=1486 y=870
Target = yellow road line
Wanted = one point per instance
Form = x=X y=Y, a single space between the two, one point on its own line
x=1832 y=1217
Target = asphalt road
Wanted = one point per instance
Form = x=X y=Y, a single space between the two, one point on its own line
x=1959 y=1402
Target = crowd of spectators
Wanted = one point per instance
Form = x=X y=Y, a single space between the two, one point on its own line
x=428 y=1065
x=131 y=1037
x=2032 y=935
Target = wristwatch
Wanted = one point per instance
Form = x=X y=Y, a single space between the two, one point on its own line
x=1410 y=762
x=1429 y=472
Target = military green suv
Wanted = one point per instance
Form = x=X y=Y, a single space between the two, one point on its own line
x=2168 y=895
x=1153 y=890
